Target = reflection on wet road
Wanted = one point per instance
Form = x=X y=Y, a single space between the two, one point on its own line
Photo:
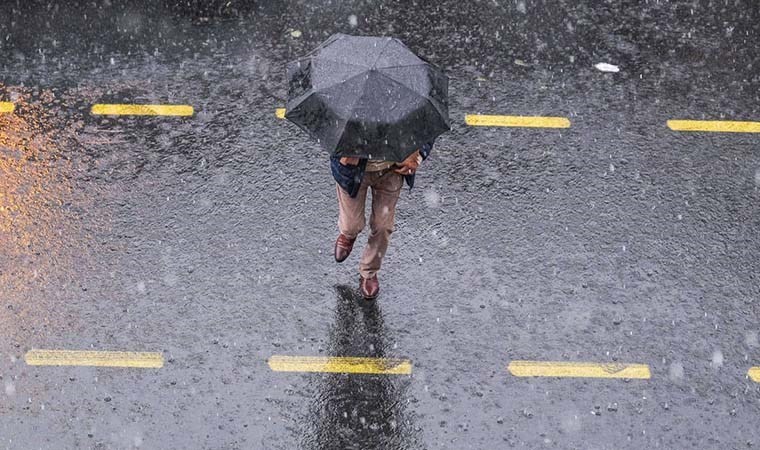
x=359 y=411
x=340 y=364
x=37 y=203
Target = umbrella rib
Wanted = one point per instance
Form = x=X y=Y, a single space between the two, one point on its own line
x=374 y=64
x=339 y=82
x=411 y=90
x=345 y=121
x=435 y=105
x=317 y=57
x=421 y=63
x=302 y=98
x=436 y=108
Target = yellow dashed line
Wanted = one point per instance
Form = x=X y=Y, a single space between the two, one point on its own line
x=94 y=358
x=717 y=126
x=384 y=366
x=579 y=369
x=7 y=107
x=279 y=113
x=477 y=120
x=754 y=374
x=143 y=110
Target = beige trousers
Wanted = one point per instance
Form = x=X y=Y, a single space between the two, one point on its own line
x=386 y=187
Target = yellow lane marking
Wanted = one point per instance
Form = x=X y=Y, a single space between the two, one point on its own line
x=720 y=126
x=478 y=120
x=94 y=358
x=754 y=374
x=143 y=110
x=7 y=107
x=578 y=369
x=279 y=113
x=384 y=366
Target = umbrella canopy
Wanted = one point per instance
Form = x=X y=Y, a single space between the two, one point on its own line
x=367 y=96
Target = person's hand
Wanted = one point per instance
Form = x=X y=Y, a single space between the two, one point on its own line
x=410 y=164
x=349 y=160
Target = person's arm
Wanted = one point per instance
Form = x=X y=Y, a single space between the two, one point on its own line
x=425 y=150
x=412 y=162
x=349 y=160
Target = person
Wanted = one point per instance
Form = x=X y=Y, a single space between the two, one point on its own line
x=354 y=177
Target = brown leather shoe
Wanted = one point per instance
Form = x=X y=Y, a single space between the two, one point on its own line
x=343 y=247
x=369 y=287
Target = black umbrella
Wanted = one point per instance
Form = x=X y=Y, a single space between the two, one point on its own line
x=367 y=96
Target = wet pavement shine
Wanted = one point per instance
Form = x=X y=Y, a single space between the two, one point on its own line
x=167 y=282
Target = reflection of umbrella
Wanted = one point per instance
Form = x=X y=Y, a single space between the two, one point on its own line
x=367 y=96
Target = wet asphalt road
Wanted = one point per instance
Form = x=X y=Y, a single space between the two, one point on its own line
x=209 y=238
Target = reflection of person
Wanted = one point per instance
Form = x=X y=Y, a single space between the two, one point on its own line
x=359 y=411
x=354 y=176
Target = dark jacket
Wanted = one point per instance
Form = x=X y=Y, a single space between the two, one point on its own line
x=350 y=177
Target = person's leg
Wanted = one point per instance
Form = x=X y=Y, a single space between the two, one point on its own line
x=351 y=211
x=385 y=193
